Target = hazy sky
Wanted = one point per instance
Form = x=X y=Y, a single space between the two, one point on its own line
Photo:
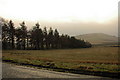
x=72 y=17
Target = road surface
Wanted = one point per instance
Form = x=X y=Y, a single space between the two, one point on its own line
x=15 y=71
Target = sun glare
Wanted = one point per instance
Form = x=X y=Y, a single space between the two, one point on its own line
x=59 y=10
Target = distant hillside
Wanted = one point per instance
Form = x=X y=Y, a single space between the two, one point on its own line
x=98 y=38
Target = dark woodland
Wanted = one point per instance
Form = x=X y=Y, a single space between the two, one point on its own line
x=37 y=39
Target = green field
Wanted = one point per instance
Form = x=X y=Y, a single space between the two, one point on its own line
x=91 y=59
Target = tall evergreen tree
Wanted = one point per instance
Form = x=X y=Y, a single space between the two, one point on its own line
x=11 y=33
x=50 y=38
x=56 y=39
x=24 y=34
x=37 y=37
x=18 y=34
x=5 y=36
x=45 y=39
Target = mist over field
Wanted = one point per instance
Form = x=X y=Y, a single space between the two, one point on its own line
x=76 y=27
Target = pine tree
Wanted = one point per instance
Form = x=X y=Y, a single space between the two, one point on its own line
x=11 y=34
x=24 y=34
x=37 y=37
x=5 y=36
x=18 y=34
x=50 y=38
x=45 y=39
x=56 y=39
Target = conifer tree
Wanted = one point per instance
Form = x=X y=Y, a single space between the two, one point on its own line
x=24 y=34
x=11 y=34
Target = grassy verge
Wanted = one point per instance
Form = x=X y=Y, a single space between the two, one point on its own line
x=100 y=61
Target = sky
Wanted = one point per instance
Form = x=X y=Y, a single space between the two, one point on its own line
x=72 y=17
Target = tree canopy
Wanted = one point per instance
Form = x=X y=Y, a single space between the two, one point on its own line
x=37 y=38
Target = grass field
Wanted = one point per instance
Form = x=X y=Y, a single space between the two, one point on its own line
x=91 y=59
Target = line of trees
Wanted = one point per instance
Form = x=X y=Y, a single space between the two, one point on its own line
x=22 y=39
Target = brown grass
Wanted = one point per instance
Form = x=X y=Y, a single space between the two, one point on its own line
x=95 y=59
x=87 y=55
